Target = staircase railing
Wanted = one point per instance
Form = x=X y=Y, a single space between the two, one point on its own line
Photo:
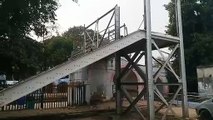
x=100 y=32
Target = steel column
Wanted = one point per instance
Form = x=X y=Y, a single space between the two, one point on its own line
x=182 y=62
x=118 y=83
x=118 y=62
x=149 y=69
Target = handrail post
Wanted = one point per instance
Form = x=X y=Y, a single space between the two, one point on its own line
x=84 y=47
x=97 y=32
x=117 y=23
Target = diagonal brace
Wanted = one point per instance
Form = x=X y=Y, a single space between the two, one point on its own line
x=140 y=72
x=157 y=74
x=128 y=96
x=171 y=102
x=133 y=103
x=127 y=66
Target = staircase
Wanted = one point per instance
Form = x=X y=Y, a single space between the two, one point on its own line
x=38 y=81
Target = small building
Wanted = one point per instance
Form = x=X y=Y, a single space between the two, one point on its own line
x=205 y=80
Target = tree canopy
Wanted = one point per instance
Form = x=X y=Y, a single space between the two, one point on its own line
x=77 y=34
x=20 y=17
x=57 y=50
x=197 y=18
x=20 y=55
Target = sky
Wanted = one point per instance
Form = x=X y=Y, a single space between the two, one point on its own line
x=71 y=14
x=85 y=12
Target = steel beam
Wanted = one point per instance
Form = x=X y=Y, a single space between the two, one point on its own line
x=165 y=37
x=171 y=84
x=118 y=83
x=132 y=83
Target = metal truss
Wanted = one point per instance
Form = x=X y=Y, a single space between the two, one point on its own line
x=151 y=84
x=165 y=65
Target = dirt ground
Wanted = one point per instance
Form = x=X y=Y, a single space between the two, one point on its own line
x=103 y=111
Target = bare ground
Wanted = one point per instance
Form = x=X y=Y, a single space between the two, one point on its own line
x=103 y=111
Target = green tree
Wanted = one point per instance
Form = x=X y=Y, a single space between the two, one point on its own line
x=20 y=17
x=60 y=48
x=77 y=34
x=57 y=50
x=21 y=58
x=19 y=54
x=197 y=18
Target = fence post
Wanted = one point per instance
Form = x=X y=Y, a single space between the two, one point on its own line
x=2 y=108
x=72 y=95
x=42 y=97
x=84 y=93
x=80 y=94
x=78 y=91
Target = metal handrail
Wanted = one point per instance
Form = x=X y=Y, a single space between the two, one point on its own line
x=93 y=39
x=101 y=17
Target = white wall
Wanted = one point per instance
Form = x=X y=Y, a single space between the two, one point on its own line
x=100 y=78
x=205 y=80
